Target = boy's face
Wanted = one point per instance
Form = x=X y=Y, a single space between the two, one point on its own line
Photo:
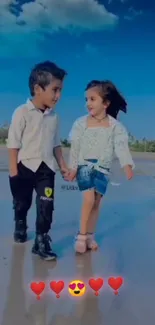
x=51 y=94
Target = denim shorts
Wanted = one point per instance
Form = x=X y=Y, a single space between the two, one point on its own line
x=89 y=178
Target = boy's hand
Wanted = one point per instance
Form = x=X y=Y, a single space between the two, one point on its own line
x=65 y=172
x=129 y=172
x=68 y=174
x=13 y=172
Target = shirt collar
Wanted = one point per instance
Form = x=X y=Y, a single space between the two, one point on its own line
x=31 y=106
x=112 y=120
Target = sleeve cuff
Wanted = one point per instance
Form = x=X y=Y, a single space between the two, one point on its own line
x=13 y=145
x=57 y=145
x=128 y=163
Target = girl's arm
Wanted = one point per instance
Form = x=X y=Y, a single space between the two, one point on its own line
x=122 y=149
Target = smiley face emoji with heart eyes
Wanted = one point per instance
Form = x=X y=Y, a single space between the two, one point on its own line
x=77 y=288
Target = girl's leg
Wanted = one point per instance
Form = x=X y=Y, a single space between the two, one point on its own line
x=91 y=243
x=88 y=203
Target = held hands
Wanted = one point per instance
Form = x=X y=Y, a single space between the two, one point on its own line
x=68 y=174
x=128 y=172
x=65 y=172
x=72 y=175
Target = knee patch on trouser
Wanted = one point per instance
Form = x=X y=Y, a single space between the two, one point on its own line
x=45 y=209
x=21 y=208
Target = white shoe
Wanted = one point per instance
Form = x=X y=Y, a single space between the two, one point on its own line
x=91 y=243
x=80 y=244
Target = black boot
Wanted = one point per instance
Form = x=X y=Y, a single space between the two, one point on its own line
x=42 y=247
x=20 y=234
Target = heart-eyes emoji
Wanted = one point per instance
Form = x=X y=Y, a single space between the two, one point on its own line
x=77 y=288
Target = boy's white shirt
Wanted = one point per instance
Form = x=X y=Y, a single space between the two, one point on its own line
x=35 y=134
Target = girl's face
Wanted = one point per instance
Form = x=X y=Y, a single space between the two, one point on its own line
x=95 y=103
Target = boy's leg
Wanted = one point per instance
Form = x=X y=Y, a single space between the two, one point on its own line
x=44 y=186
x=21 y=188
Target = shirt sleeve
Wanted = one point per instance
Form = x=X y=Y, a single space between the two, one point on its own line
x=74 y=138
x=57 y=141
x=122 y=147
x=16 y=129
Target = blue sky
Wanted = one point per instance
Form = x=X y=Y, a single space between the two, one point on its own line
x=112 y=39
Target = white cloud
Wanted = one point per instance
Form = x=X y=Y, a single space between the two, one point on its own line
x=132 y=13
x=39 y=17
x=113 y=1
x=66 y=14
x=7 y=18
x=52 y=15
x=7 y=3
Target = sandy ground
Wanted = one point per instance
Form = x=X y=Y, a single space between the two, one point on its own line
x=4 y=156
x=126 y=235
x=145 y=155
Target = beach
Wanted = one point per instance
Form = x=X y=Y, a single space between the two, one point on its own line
x=149 y=156
x=125 y=233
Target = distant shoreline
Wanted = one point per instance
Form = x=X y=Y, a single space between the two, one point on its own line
x=135 y=154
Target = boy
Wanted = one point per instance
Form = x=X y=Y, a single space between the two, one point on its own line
x=33 y=143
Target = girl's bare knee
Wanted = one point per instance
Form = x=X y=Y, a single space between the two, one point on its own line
x=97 y=201
x=89 y=198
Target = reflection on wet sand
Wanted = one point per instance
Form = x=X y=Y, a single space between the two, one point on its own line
x=15 y=306
x=38 y=310
x=20 y=310
x=84 y=310
x=126 y=237
x=49 y=311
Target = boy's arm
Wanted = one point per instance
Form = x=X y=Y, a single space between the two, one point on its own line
x=14 y=140
x=75 y=137
x=57 y=151
x=13 y=161
x=122 y=148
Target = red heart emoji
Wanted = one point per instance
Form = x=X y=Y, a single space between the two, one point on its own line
x=115 y=283
x=57 y=287
x=37 y=287
x=96 y=284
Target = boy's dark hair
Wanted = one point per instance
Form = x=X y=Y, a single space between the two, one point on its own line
x=109 y=92
x=42 y=74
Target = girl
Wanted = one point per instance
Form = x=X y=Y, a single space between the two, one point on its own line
x=94 y=140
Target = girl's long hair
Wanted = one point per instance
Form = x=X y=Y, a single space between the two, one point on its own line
x=109 y=92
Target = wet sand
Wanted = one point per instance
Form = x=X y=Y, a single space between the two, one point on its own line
x=145 y=160
x=126 y=235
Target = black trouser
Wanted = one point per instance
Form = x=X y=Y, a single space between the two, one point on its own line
x=22 y=187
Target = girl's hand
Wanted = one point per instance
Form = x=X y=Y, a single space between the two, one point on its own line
x=128 y=172
x=72 y=175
